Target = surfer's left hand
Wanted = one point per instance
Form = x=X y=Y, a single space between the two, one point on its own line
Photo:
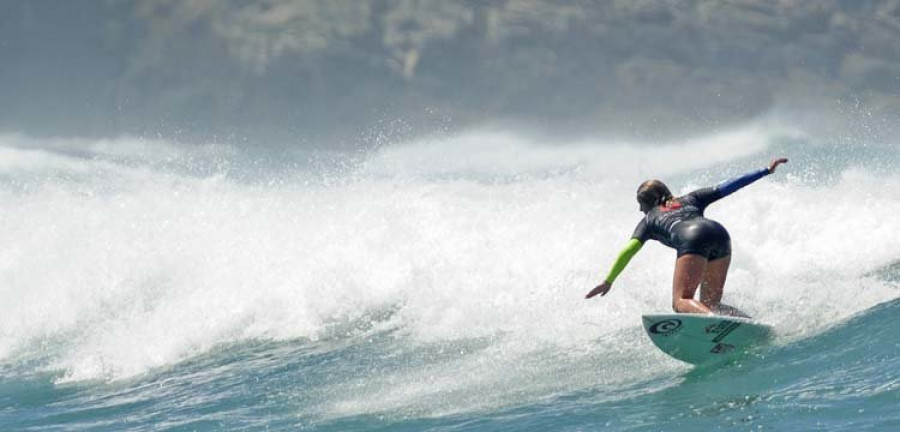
x=601 y=289
x=775 y=162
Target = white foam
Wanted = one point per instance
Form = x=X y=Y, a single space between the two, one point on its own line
x=138 y=267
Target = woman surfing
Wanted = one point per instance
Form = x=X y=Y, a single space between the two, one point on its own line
x=703 y=245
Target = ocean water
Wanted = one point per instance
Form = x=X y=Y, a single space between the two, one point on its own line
x=434 y=285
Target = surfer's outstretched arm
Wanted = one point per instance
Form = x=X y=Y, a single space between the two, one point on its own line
x=707 y=196
x=731 y=186
x=632 y=248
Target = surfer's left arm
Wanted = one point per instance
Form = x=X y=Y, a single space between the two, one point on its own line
x=709 y=195
x=731 y=186
x=631 y=248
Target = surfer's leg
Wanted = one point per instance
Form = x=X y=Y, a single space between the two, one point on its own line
x=713 y=284
x=689 y=271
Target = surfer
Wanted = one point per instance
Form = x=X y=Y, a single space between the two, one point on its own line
x=703 y=245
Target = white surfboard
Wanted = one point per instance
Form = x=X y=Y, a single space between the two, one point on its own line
x=704 y=339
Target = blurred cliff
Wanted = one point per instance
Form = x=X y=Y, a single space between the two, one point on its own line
x=323 y=71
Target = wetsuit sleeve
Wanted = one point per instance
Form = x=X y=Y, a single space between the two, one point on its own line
x=641 y=231
x=633 y=246
x=706 y=196
x=731 y=186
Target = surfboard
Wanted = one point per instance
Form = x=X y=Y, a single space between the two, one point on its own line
x=704 y=339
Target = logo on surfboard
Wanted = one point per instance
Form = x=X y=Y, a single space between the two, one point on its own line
x=665 y=327
x=722 y=329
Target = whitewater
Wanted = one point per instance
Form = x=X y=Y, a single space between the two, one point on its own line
x=434 y=285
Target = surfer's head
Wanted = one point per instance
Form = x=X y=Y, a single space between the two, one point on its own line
x=652 y=193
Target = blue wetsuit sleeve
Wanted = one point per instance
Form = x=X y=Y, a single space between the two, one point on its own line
x=731 y=186
x=708 y=195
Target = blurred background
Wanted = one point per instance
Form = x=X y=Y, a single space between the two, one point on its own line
x=339 y=74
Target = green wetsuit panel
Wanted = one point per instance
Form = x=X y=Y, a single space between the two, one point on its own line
x=633 y=246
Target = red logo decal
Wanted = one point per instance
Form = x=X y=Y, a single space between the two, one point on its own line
x=672 y=205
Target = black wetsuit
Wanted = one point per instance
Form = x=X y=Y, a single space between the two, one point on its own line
x=683 y=227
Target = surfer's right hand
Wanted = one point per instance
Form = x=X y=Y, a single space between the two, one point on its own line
x=601 y=289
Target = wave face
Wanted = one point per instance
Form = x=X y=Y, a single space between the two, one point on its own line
x=437 y=284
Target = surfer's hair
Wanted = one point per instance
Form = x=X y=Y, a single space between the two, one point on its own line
x=652 y=193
